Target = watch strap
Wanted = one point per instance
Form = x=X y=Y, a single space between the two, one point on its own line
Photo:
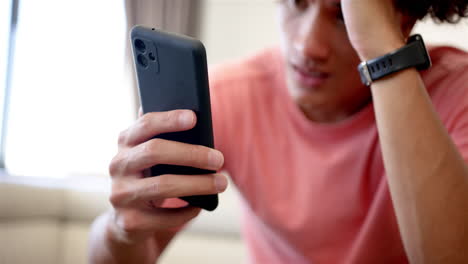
x=413 y=54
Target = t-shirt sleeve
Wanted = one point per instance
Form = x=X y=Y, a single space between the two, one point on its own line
x=457 y=110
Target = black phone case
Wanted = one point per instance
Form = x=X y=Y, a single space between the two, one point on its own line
x=172 y=74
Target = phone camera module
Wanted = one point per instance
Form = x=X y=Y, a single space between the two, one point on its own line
x=151 y=56
x=142 y=61
x=140 y=45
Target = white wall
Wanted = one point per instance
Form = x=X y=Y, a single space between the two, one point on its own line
x=233 y=28
x=444 y=34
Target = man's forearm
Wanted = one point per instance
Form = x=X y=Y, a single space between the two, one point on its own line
x=104 y=249
x=428 y=179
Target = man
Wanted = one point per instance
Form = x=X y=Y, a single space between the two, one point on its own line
x=332 y=171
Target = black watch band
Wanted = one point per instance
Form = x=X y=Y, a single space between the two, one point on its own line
x=413 y=54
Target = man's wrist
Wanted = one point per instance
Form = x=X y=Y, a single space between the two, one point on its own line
x=112 y=233
x=380 y=48
x=123 y=250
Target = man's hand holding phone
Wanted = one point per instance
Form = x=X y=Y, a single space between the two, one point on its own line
x=175 y=146
x=137 y=213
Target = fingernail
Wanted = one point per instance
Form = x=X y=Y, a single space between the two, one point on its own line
x=186 y=118
x=215 y=159
x=220 y=183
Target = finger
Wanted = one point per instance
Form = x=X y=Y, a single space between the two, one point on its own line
x=135 y=222
x=152 y=124
x=160 y=151
x=166 y=186
x=119 y=163
x=170 y=218
x=171 y=186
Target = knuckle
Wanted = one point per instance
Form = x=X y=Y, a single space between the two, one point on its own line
x=119 y=164
x=155 y=189
x=129 y=223
x=163 y=186
x=122 y=138
x=114 y=200
x=114 y=166
x=118 y=195
x=153 y=149
x=145 y=122
x=150 y=191
x=144 y=150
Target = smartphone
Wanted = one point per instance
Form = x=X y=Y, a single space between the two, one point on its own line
x=172 y=74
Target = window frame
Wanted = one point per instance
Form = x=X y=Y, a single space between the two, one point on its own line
x=14 y=4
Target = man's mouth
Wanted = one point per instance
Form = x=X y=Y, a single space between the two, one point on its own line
x=309 y=77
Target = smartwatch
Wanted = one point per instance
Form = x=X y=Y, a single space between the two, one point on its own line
x=413 y=54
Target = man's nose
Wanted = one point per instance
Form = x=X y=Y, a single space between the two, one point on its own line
x=313 y=38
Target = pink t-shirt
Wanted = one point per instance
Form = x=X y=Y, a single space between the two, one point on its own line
x=317 y=193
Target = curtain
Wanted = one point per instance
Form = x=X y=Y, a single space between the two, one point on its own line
x=178 y=16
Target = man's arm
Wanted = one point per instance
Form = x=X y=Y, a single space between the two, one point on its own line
x=427 y=176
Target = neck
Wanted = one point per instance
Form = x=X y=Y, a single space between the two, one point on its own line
x=327 y=114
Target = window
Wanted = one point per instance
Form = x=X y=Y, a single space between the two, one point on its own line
x=5 y=26
x=69 y=94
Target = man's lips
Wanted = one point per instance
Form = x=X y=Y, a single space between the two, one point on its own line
x=309 y=77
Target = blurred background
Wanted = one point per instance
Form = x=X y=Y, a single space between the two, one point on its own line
x=66 y=91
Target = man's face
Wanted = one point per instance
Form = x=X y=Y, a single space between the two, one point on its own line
x=321 y=64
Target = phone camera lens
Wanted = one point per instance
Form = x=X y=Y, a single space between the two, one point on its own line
x=140 y=45
x=151 y=56
x=142 y=61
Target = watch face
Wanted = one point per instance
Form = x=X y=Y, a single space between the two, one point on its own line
x=366 y=78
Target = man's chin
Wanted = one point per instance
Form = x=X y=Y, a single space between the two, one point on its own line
x=301 y=93
x=308 y=99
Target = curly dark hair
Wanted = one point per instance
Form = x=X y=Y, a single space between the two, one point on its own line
x=440 y=10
